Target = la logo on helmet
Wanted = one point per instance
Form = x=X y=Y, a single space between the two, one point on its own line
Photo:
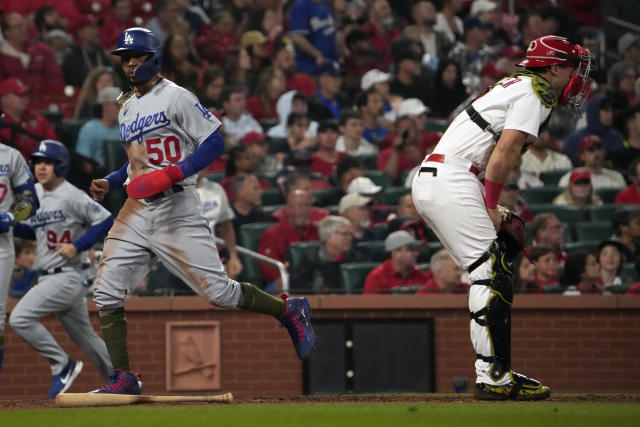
x=128 y=38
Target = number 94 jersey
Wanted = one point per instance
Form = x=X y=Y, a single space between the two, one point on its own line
x=162 y=127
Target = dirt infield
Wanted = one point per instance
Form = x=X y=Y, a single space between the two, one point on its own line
x=355 y=398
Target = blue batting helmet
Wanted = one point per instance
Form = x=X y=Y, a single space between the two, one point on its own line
x=56 y=151
x=140 y=40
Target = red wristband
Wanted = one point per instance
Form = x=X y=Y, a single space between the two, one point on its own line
x=493 y=190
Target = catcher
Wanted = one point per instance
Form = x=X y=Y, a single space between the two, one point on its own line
x=488 y=139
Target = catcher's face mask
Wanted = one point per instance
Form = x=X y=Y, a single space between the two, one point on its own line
x=577 y=91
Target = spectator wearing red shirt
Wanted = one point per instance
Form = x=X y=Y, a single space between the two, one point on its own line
x=446 y=276
x=631 y=194
x=31 y=61
x=325 y=159
x=384 y=28
x=400 y=269
x=218 y=40
x=300 y=181
x=118 y=19
x=547 y=230
x=404 y=154
x=295 y=227
x=545 y=266
x=23 y=128
x=271 y=84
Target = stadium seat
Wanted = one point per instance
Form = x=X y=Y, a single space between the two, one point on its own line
x=567 y=214
x=381 y=230
x=391 y=195
x=333 y=209
x=298 y=252
x=430 y=249
x=379 y=178
x=603 y=212
x=69 y=131
x=271 y=196
x=434 y=125
x=424 y=266
x=629 y=271
x=216 y=176
x=369 y=161
x=270 y=209
x=581 y=246
x=540 y=194
x=551 y=178
x=374 y=250
x=249 y=237
x=595 y=230
x=319 y=196
x=608 y=195
x=354 y=274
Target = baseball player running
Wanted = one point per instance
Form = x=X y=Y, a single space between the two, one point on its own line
x=488 y=138
x=18 y=201
x=168 y=136
x=66 y=224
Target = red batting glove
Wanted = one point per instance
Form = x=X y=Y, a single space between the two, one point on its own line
x=155 y=182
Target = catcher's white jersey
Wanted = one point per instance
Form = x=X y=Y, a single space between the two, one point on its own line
x=512 y=104
x=63 y=216
x=164 y=126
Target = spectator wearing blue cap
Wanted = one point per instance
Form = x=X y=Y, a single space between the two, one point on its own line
x=313 y=31
x=326 y=103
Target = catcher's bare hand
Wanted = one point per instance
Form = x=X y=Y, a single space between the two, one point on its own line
x=98 y=189
x=496 y=217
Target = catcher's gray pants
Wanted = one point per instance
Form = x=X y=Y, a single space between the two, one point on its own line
x=61 y=294
x=174 y=230
x=451 y=201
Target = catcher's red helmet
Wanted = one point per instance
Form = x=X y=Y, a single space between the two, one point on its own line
x=554 y=50
x=550 y=50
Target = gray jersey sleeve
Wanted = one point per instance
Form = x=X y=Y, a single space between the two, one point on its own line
x=14 y=172
x=195 y=119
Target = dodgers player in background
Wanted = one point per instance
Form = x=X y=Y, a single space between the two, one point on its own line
x=18 y=201
x=168 y=136
x=66 y=224
x=487 y=139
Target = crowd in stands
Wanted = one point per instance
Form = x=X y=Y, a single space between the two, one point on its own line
x=327 y=109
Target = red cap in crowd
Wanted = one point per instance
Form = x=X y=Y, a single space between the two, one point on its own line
x=579 y=174
x=590 y=141
x=13 y=85
x=253 y=138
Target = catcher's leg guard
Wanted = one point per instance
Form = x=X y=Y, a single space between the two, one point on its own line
x=490 y=308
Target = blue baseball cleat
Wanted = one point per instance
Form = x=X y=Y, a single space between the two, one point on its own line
x=63 y=381
x=297 y=320
x=122 y=382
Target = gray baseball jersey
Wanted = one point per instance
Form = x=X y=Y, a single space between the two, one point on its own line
x=162 y=127
x=14 y=172
x=63 y=216
x=65 y=213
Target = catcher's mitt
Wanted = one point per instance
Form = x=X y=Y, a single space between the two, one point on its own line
x=512 y=232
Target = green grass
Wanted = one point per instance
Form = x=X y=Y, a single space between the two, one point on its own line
x=512 y=414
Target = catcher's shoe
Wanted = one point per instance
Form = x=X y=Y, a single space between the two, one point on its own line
x=520 y=388
x=297 y=320
x=63 y=381
x=122 y=382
